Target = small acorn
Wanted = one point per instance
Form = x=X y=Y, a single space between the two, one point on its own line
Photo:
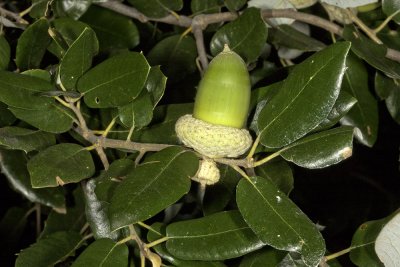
x=216 y=128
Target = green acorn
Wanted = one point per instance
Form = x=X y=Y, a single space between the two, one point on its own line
x=215 y=129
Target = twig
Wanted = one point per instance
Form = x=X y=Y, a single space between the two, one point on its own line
x=14 y=16
x=197 y=29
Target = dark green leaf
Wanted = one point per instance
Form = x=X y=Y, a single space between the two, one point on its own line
x=38 y=8
x=287 y=36
x=277 y=221
x=391 y=6
x=292 y=260
x=6 y=118
x=266 y=257
x=163 y=252
x=205 y=6
x=364 y=114
x=322 y=149
x=343 y=104
x=143 y=193
x=139 y=112
x=373 y=53
x=264 y=93
x=246 y=35
x=176 y=55
x=72 y=94
x=38 y=73
x=13 y=166
x=389 y=90
x=305 y=99
x=216 y=237
x=156 y=8
x=126 y=74
x=279 y=172
x=74 y=8
x=25 y=139
x=234 y=5
x=60 y=164
x=12 y=226
x=4 y=53
x=363 y=243
x=217 y=197
x=113 y=30
x=78 y=58
x=32 y=45
x=103 y=252
x=50 y=250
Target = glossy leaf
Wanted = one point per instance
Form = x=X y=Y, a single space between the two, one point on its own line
x=50 y=250
x=266 y=257
x=103 y=252
x=60 y=164
x=39 y=73
x=156 y=8
x=364 y=114
x=347 y=3
x=126 y=74
x=287 y=36
x=163 y=252
x=216 y=237
x=373 y=53
x=305 y=99
x=74 y=8
x=234 y=5
x=322 y=149
x=6 y=118
x=25 y=139
x=78 y=58
x=292 y=260
x=277 y=221
x=32 y=45
x=13 y=166
x=388 y=242
x=362 y=251
x=147 y=191
x=113 y=30
x=176 y=55
x=4 y=53
x=391 y=6
x=279 y=172
x=389 y=90
x=245 y=35
x=343 y=104
x=205 y=6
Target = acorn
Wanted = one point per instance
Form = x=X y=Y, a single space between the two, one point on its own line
x=217 y=127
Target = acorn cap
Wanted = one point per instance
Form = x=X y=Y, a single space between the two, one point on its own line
x=213 y=141
x=223 y=96
x=208 y=172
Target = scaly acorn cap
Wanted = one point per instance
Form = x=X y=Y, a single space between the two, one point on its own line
x=208 y=172
x=223 y=96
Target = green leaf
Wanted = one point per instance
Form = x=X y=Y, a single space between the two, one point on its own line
x=234 y=5
x=391 y=6
x=364 y=114
x=266 y=257
x=38 y=73
x=60 y=164
x=73 y=219
x=287 y=36
x=126 y=74
x=388 y=242
x=389 y=90
x=4 y=53
x=74 y=8
x=279 y=172
x=6 y=118
x=322 y=149
x=139 y=112
x=38 y=8
x=305 y=99
x=163 y=128
x=373 y=53
x=103 y=252
x=78 y=58
x=218 y=196
x=156 y=8
x=176 y=55
x=25 y=139
x=277 y=221
x=246 y=36
x=50 y=250
x=362 y=251
x=219 y=236
x=142 y=194
x=343 y=104
x=292 y=260
x=113 y=30
x=13 y=166
x=163 y=252
x=32 y=45
x=205 y=6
